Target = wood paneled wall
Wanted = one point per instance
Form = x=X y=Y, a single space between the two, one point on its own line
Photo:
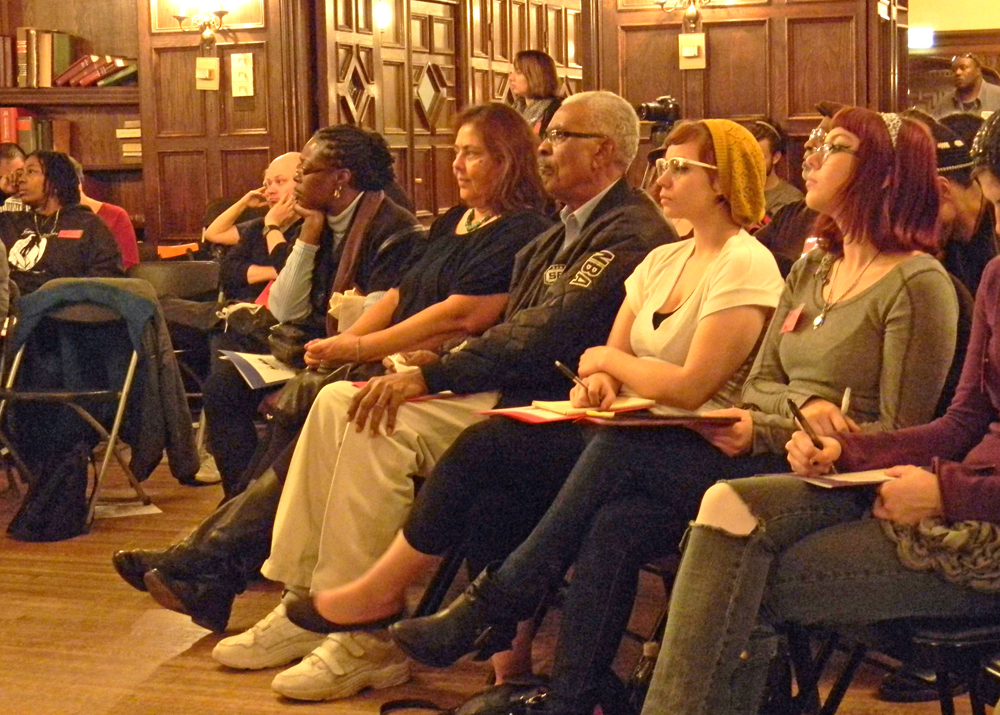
x=409 y=79
x=771 y=59
x=202 y=145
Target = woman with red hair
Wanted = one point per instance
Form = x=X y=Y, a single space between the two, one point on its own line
x=870 y=311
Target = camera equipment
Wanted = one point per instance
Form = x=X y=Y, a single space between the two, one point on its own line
x=664 y=112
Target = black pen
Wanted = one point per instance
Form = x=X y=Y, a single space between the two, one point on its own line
x=808 y=429
x=570 y=374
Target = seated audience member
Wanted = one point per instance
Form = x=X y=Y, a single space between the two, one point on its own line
x=115 y=217
x=831 y=562
x=261 y=244
x=792 y=225
x=964 y=125
x=973 y=94
x=11 y=162
x=967 y=227
x=351 y=236
x=534 y=84
x=777 y=191
x=685 y=336
x=56 y=237
x=870 y=311
x=564 y=294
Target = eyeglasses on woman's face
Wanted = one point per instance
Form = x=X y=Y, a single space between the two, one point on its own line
x=678 y=165
x=823 y=152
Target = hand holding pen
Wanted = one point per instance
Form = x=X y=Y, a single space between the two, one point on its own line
x=808 y=429
x=598 y=392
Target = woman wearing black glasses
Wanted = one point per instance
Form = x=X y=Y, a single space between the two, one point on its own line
x=870 y=311
x=684 y=336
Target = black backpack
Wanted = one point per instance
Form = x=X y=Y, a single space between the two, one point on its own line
x=55 y=507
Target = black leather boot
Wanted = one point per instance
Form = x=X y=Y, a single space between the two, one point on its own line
x=482 y=620
x=209 y=603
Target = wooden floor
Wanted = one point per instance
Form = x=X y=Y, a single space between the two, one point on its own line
x=76 y=640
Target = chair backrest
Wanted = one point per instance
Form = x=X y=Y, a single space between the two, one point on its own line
x=85 y=313
x=191 y=280
x=966 y=305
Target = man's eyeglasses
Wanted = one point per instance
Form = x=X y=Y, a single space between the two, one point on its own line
x=677 y=165
x=557 y=136
x=823 y=152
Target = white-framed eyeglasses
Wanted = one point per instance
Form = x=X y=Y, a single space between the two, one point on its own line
x=677 y=165
x=822 y=153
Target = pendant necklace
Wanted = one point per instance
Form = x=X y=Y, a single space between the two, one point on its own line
x=828 y=304
x=55 y=224
x=471 y=225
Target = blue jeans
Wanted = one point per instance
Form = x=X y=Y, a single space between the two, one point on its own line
x=814 y=558
x=628 y=499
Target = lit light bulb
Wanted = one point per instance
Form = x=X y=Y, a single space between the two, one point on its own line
x=383 y=14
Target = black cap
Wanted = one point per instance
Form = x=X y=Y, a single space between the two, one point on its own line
x=986 y=146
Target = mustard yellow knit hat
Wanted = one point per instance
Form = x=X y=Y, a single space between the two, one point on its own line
x=741 y=170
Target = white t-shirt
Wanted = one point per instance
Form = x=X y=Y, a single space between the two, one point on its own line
x=744 y=273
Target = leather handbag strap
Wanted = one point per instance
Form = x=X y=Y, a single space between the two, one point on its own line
x=348 y=265
x=409 y=704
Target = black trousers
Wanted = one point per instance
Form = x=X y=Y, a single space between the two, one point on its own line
x=230 y=406
x=491 y=487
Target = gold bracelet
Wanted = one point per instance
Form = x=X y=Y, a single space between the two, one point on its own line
x=357 y=350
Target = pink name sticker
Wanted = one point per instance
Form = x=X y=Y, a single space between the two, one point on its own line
x=792 y=319
x=66 y=233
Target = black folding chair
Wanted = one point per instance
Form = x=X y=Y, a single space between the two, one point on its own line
x=81 y=401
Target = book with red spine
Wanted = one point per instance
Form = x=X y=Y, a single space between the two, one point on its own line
x=78 y=67
x=99 y=71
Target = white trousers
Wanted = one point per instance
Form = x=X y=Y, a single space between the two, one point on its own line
x=348 y=493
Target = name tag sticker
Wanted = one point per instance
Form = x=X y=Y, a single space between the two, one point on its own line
x=66 y=233
x=792 y=319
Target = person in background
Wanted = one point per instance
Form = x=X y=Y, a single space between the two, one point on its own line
x=115 y=217
x=57 y=237
x=11 y=162
x=973 y=94
x=261 y=244
x=339 y=169
x=777 y=191
x=967 y=226
x=534 y=84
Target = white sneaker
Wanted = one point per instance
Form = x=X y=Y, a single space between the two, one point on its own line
x=273 y=641
x=344 y=664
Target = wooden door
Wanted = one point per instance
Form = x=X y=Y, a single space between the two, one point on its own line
x=203 y=145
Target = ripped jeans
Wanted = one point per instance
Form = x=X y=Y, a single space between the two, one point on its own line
x=814 y=558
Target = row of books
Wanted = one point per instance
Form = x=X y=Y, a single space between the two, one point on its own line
x=48 y=58
x=34 y=133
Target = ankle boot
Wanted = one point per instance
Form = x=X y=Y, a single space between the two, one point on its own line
x=209 y=603
x=224 y=552
x=481 y=620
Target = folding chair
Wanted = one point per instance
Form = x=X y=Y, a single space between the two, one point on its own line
x=83 y=315
x=188 y=281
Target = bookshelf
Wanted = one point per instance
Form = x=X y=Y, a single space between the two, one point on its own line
x=95 y=112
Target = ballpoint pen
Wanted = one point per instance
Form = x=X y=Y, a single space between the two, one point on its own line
x=570 y=374
x=845 y=403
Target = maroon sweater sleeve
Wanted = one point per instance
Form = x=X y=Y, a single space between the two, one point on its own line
x=121 y=228
x=962 y=442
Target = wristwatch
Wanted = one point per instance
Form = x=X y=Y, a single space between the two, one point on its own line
x=271 y=227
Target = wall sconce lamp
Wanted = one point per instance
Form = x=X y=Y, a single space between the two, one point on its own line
x=691 y=14
x=383 y=14
x=207 y=23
